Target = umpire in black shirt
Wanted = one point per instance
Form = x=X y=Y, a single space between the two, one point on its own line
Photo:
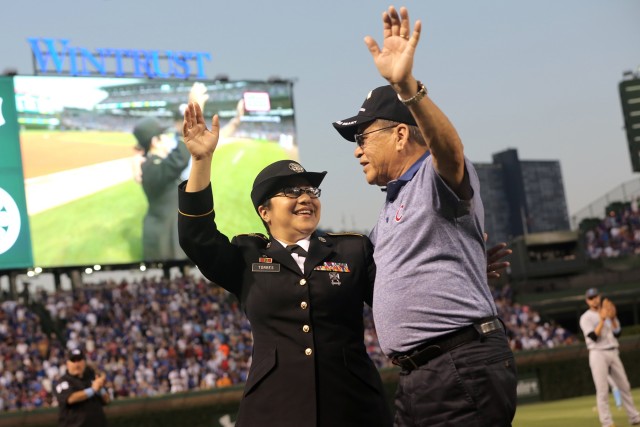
x=81 y=394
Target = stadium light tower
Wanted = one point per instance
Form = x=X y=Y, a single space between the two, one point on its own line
x=630 y=98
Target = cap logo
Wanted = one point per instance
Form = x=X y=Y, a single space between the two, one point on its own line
x=369 y=94
x=296 y=167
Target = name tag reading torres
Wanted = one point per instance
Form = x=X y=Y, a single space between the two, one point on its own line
x=260 y=267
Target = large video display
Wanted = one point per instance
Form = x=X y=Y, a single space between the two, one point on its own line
x=72 y=190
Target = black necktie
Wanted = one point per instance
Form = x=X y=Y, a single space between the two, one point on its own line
x=295 y=249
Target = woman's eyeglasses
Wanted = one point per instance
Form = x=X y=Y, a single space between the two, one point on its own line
x=295 y=192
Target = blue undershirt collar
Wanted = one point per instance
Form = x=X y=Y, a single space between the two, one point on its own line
x=394 y=187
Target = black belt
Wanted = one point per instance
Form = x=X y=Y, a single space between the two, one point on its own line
x=440 y=345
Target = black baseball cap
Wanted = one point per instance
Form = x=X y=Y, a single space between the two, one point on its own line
x=146 y=129
x=381 y=103
x=76 y=355
x=272 y=178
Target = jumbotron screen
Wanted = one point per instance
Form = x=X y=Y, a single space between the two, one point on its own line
x=70 y=174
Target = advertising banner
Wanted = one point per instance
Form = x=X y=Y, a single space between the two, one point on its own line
x=15 y=239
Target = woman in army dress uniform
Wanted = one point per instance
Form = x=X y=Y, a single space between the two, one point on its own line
x=309 y=366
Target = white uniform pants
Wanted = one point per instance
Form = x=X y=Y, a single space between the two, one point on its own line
x=604 y=363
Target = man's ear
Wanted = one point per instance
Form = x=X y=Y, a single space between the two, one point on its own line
x=401 y=134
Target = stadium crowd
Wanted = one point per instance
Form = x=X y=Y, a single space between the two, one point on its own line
x=158 y=336
x=525 y=328
x=618 y=234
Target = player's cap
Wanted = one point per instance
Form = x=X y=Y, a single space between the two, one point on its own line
x=146 y=129
x=381 y=103
x=272 y=178
x=592 y=292
x=76 y=355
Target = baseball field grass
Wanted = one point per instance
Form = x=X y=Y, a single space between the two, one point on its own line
x=575 y=412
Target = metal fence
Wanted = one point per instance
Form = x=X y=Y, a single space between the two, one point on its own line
x=626 y=192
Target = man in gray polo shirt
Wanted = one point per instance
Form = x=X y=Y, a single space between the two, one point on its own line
x=601 y=328
x=434 y=313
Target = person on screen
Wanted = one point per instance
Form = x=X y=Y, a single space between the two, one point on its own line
x=165 y=162
x=198 y=94
x=160 y=176
x=302 y=290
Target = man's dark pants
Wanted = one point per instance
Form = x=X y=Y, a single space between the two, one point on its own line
x=473 y=385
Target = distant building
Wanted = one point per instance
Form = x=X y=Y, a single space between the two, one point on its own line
x=522 y=197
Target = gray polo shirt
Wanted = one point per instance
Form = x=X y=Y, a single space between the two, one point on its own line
x=430 y=254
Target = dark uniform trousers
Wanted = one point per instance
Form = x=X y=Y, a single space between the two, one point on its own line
x=309 y=364
x=473 y=385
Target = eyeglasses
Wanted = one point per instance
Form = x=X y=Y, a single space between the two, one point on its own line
x=359 y=137
x=295 y=192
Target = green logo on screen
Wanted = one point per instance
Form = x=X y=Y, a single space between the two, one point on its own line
x=9 y=221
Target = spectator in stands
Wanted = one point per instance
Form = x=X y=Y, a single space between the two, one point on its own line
x=616 y=235
x=219 y=341
x=81 y=394
x=601 y=327
x=129 y=339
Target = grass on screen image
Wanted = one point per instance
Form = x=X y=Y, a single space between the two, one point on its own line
x=106 y=227
x=233 y=170
x=575 y=412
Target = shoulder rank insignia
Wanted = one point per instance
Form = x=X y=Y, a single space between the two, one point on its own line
x=259 y=235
